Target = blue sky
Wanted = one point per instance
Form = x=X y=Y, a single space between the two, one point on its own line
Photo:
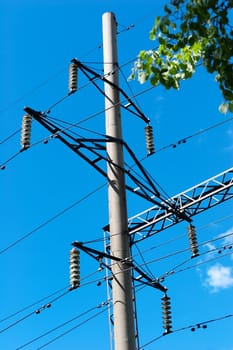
x=39 y=38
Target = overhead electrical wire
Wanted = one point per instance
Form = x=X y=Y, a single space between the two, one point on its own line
x=146 y=265
x=144 y=262
x=102 y=239
x=65 y=293
x=211 y=127
x=73 y=328
x=37 y=311
x=76 y=124
x=33 y=90
x=43 y=224
x=192 y=327
x=62 y=325
x=125 y=28
x=187 y=249
x=131 y=169
x=91 y=116
x=33 y=304
x=47 y=305
x=202 y=131
x=3 y=165
x=198 y=264
x=130 y=88
x=106 y=303
x=10 y=136
x=168 y=146
x=226 y=246
x=172 y=271
x=103 y=304
x=64 y=211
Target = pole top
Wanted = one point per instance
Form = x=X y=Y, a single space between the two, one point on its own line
x=108 y=15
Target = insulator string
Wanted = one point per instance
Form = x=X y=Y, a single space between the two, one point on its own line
x=26 y=131
x=149 y=140
x=73 y=77
x=74 y=268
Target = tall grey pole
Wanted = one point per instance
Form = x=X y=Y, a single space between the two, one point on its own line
x=124 y=334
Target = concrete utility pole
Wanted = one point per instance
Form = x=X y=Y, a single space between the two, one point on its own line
x=124 y=334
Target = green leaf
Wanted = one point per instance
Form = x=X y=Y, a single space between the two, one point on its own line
x=230 y=107
x=154 y=80
x=154 y=30
x=190 y=33
x=167 y=9
x=152 y=34
x=142 y=55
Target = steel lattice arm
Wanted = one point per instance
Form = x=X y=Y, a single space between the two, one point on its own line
x=193 y=201
x=93 y=151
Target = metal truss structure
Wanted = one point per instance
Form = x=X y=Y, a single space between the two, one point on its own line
x=93 y=151
x=193 y=201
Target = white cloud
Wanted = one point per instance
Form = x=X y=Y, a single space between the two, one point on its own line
x=219 y=277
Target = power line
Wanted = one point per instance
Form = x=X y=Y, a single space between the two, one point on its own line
x=62 y=325
x=106 y=303
x=73 y=328
x=146 y=265
x=33 y=90
x=33 y=304
x=43 y=307
x=170 y=241
x=125 y=28
x=192 y=327
x=10 y=136
x=3 y=165
x=186 y=249
x=38 y=311
x=91 y=116
x=71 y=125
x=50 y=296
x=202 y=131
x=129 y=87
x=102 y=239
x=228 y=246
x=172 y=272
x=200 y=263
x=47 y=305
x=43 y=224
x=76 y=124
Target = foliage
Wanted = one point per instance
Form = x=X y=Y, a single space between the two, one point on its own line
x=191 y=33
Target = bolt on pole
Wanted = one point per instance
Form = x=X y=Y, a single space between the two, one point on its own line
x=124 y=334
